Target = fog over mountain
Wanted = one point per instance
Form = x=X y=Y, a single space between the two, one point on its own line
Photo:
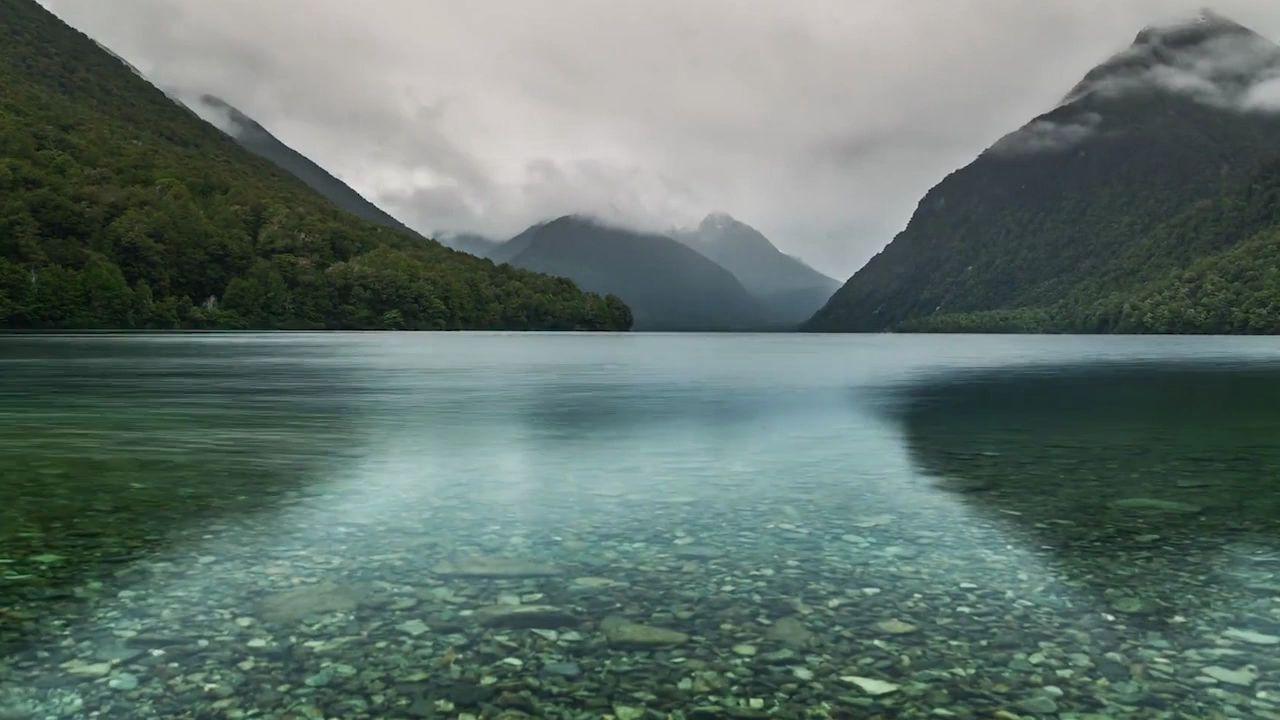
x=822 y=121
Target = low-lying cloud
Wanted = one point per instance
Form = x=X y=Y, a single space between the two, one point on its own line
x=1042 y=136
x=1236 y=73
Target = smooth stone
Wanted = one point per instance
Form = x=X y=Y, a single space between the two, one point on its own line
x=524 y=616
x=744 y=650
x=789 y=632
x=871 y=686
x=123 y=681
x=1130 y=605
x=83 y=669
x=697 y=552
x=1155 y=505
x=1040 y=705
x=896 y=627
x=594 y=583
x=491 y=567
x=320 y=679
x=1244 y=677
x=413 y=628
x=625 y=712
x=624 y=633
x=292 y=606
x=802 y=673
x=563 y=669
x=1251 y=637
x=873 y=521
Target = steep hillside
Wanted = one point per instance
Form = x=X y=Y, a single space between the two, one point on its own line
x=119 y=208
x=1074 y=205
x=252 y=136
x=789 y=290
x=667 y=285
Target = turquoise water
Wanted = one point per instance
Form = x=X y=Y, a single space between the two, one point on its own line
x=639 y=526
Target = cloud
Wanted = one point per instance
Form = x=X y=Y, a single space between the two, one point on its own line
x=1228 y=72
x=821 y=122
x=1264 y=95
x=1043 y=135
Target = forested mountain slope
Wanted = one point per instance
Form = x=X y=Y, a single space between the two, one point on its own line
x=667 y=285
x=119 y=208
x=1153 y=165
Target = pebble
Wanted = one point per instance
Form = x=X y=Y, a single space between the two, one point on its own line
x=1251 y=637
x=1039 y=705
x=123 y=681
x=871 y=686
x=1244 y=677
x=896 y=627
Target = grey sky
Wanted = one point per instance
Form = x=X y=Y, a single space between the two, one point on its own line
x=820 y=122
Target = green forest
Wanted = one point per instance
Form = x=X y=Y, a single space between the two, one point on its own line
x=119 y=208
x=1214 y=268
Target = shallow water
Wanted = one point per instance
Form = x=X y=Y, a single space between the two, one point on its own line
x=310 y=526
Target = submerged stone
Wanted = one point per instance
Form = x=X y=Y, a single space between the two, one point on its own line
x=871 y=686
x=789 y=632
x=84 y=669
x=1244 y=677
x=1039 y=705
x=624 y=633
x=1251 y=637
x=896 y=627
x=1155 y=505
x=524 y=616
x=292 y=606
x=562 y=669
x=123 y=682
x=595 y=583
x=491 y=567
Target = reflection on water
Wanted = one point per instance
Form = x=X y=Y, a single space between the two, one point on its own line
x=347 y=526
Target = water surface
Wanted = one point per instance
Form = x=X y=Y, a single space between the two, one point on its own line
x=474 y=525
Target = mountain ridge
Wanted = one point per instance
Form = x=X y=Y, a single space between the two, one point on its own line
x=788 y=288
x=667 y=285
x=1052 y=207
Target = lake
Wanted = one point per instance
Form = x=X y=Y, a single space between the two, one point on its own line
x=639 y=526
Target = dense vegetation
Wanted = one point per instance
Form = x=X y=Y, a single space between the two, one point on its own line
x=667 y=285
x=121 y=209
x=789 y=290
x=1160 y=215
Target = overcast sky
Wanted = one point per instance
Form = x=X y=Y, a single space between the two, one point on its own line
x=821 y=123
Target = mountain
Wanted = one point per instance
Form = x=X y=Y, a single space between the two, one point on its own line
x=788 y=289
x=121 y=209
x=472 y=244
x=251 y=136
x=1154 y=162
x=667 y=285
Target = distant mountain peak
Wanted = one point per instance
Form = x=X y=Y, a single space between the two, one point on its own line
x=718 y=220
x=1205 y=25
x=1208 y=57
